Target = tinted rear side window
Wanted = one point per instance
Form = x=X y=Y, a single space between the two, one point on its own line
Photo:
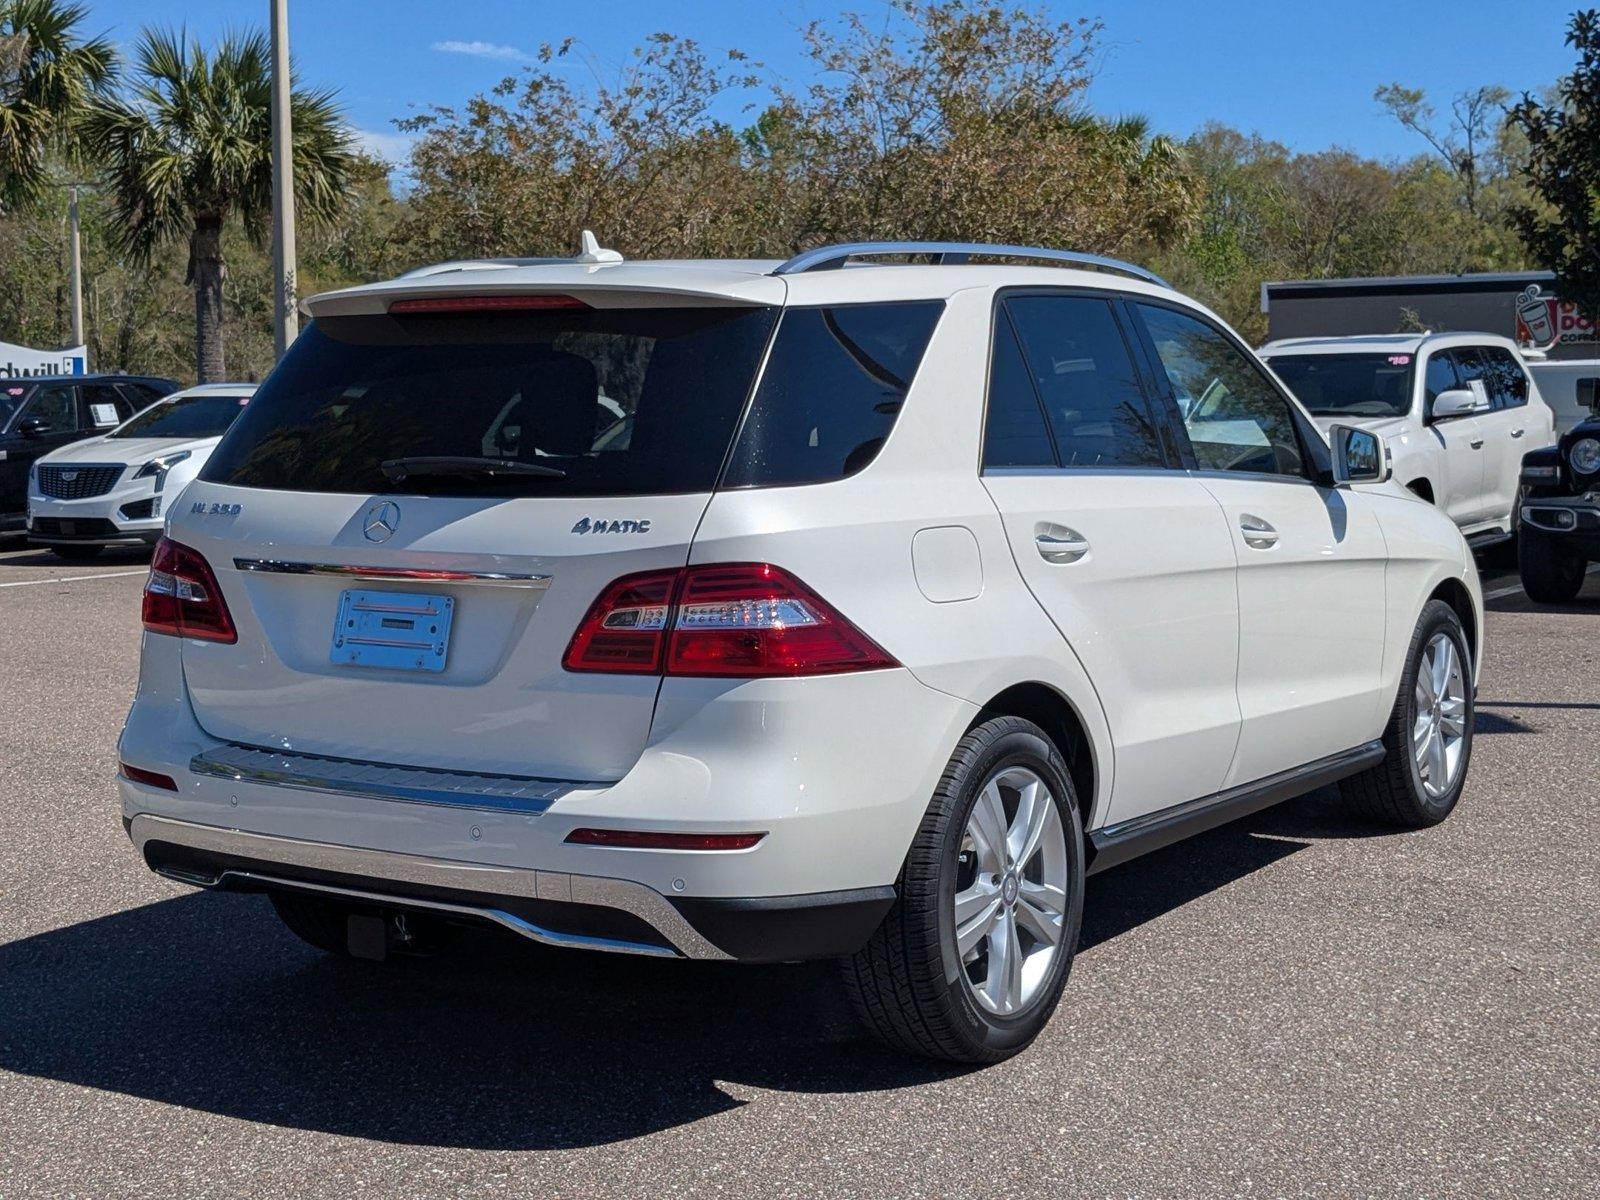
x=1086 y=378
x=1014 y=434
x=831 y=391
x=615 y=402
x=1508 y=386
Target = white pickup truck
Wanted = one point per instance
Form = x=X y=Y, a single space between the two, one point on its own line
x=1458 y=411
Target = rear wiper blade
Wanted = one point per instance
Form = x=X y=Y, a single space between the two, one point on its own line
x=398 y=470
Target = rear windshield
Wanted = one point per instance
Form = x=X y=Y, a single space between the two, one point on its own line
x=608 y=402
x=185 y=417
x=1352 y=385
x=600 y=402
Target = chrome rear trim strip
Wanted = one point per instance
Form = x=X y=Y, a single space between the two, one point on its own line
x=537 y=933
x=380 y=781
x=384 y=867
x=272 y=566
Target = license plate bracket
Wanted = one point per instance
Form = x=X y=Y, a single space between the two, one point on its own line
x=395 y=631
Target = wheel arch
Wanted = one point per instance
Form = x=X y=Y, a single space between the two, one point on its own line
x=1053 y=712
x=1458 y=596
x=1422 y=486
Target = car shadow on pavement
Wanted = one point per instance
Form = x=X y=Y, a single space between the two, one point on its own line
x=206 y=1002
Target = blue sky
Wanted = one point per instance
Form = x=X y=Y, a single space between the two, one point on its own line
x=1300 y=73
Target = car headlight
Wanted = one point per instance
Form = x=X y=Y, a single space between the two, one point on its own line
x=157 y=468
x=1585 y=456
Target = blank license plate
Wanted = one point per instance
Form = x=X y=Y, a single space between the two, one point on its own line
x=398 y=631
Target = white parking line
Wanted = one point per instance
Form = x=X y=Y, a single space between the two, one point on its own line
x=1515 y=588
x=71 y=578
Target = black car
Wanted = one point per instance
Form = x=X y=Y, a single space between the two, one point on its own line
x=1561 y=508
x=40 y=413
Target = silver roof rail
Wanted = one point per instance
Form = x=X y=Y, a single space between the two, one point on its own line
x=825 y=258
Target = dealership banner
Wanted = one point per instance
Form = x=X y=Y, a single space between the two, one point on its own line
x=19 y=361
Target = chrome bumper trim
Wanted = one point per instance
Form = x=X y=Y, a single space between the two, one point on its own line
x=382 y=866
x=269 y=566
x=380 y=781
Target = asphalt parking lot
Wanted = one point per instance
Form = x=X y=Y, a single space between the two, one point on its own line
x=1296 y=1005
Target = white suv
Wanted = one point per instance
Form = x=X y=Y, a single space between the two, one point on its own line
x=898 y=599
x=109 y=490
x=1458 y=411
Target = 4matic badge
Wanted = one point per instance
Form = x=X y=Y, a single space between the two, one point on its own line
x=601 y=525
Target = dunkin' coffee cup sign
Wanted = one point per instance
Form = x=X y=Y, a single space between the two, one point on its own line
x=1546 y=321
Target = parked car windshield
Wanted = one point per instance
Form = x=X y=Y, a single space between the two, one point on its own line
x=184 y=417
x=1349 y=385
x=11 y=397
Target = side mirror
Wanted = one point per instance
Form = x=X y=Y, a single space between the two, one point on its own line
x=33 y=427
x=1589 y=394
x=1459 y=402
x=1359 y=456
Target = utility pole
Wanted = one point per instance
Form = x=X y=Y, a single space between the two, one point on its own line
x=75 y=266
x=286 y=323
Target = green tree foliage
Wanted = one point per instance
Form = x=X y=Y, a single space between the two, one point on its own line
x=953 y=119
x=1563 y=232
x=49 y=77
x=961 y=119
x=190 y=150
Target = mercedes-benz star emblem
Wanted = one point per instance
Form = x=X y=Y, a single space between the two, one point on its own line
x=381 y=521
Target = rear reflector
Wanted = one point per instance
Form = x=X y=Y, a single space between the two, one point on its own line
x=644 y=839
x=181 y=597
x=472 y=304
x=148 y=778
x=728 y=620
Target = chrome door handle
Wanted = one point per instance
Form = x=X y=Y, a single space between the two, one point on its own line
x=1258 y=534
x=1517 y=432
x=1476 y=443
x=1058 y=544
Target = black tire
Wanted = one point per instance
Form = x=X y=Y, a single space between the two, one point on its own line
x=1392 y=793
x=906 y=983
x=1552 y=572
x=324 y=924
x=78 y=553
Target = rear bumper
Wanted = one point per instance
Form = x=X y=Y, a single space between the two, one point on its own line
x=581 y=912
x=835 y=771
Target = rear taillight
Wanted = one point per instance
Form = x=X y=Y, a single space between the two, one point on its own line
x=625 y=628
x=182 y=598
x=730 y=620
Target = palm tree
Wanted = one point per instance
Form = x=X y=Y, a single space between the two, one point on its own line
x=191 y=148
x=49 y=77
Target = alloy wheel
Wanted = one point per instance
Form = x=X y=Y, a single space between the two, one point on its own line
x=1011 y=891
x=1439 y=726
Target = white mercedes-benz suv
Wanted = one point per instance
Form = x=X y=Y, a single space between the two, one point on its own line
x=898 y=599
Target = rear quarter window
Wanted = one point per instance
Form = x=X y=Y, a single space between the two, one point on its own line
x=831 y=391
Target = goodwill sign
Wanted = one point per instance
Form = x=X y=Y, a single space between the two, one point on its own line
x=19 y=361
